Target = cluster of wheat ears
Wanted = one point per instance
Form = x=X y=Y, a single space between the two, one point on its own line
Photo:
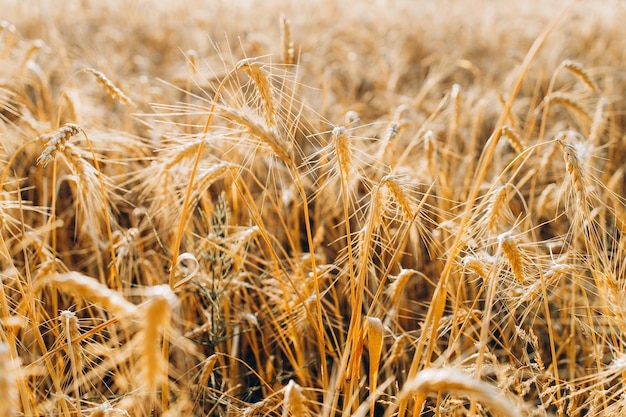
x=382 y=208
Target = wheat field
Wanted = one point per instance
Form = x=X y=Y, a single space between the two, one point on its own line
x=273 y=208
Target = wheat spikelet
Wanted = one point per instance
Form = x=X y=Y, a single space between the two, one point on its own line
x=57 y=143
x=9 y=395
x=577 y=69
x=513 y=138
x=261 y=80
x=434 y=380
x=568 y=102
x=80 y=285
x=108 y=85
x=511 y=251
x=155 y=314
x=285 y=35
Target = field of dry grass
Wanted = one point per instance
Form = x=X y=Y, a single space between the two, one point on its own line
x=371 y=208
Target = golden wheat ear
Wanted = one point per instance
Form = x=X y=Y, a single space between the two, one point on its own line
x=9 y=395
x=114 y=91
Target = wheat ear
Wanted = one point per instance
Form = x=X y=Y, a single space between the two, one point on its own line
x=568 y=102
x=294 y=402
x=598 y=121
x=57 y=143
x=575 y=171
x=577 y=69
x=285 y=34
x=71 y=330
x=156 y=315
x=430 y=150
x=80 y=285
x=514 y=256
x=106 y=410
x=342 y=150
x=261 y=132
x=496 y=206
x=513 y=138
x=261 y=80
x=108 y=85
x=9 y=395
x=437 y=380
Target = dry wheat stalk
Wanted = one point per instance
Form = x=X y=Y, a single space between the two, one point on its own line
x=261 y=80
x=577 y=69
x=108 y=85
x=511 y=251
x=285 y=35
x=57 y=142
x=434 y=380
